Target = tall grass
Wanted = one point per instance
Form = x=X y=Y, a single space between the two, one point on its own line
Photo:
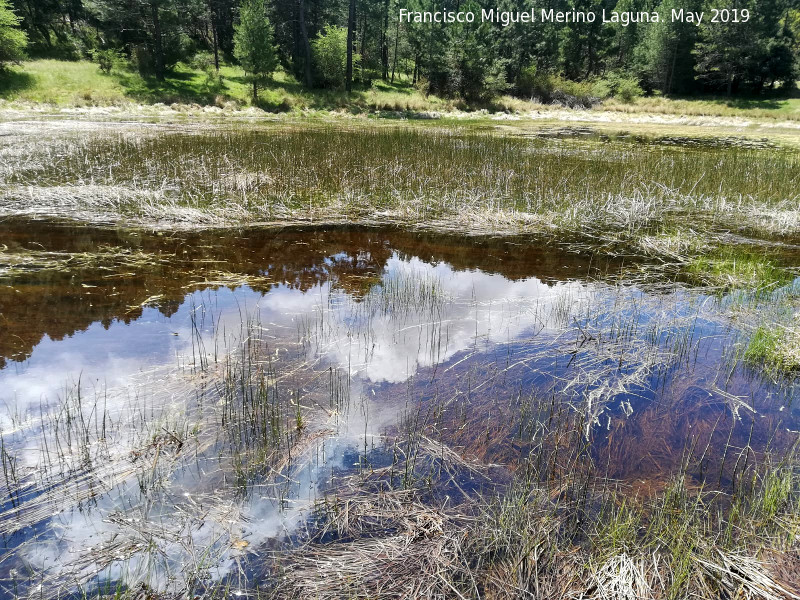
x=412 y=176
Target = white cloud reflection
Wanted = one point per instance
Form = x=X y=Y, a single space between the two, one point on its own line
x=460 y=310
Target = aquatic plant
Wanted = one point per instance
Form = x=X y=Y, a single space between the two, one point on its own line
x=434 y=176
x=777 y=347
x=732 y=268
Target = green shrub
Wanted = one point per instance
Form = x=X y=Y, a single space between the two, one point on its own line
x=423 y=85
x=474 y=74
x=555 y=89
x=494 y=82
x=203 y=61
x=107 y=59
x=623 y=87
x=602 y=88
x=529 y=83
x=549 y=88
x=330 y=56
x=628 y=89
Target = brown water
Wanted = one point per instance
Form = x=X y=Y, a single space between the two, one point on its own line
x=378 y=335
x=70 y=270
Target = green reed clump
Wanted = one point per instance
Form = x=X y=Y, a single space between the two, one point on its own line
x=775 y=346
x=732 y=268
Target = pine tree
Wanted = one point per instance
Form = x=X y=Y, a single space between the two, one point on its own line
x=330 y=56
x=150 y=29
x=747 y=55
x=253 y=46
x=665 y=53
x=12 y=39
x=583 y=45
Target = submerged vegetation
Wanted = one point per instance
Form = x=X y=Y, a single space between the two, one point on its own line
x=367 y=412
x=537 y=541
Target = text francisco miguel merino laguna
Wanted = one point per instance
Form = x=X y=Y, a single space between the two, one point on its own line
x=549 y=15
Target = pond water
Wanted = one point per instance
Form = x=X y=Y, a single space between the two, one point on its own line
x=175 y=405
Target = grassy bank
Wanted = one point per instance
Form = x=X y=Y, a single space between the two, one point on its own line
x=80 y=83
x=787 y=108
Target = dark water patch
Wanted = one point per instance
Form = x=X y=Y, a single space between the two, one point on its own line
x=710 y=142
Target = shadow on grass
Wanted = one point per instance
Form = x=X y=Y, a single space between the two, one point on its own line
x=397 y=88
x=273 y=106
x=290 y=86
x=176 y=87
x=12 y=81
x=768 y=100
x=278 y=95
x=356 y=101
x=753 y=103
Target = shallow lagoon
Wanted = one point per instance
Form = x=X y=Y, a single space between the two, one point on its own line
x=178 y=406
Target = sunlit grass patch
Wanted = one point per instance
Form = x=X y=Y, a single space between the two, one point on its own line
x=731 y=268
x=774 y=108
x=61 y=83
x=81 y=83
x=775 y=346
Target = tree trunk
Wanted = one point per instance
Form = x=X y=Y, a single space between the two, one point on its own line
x=351 y=26
x=46 y=35
x=672 y=68
x=216 y=46
x=363 y=44
x=301 y=17
x=214 y=35
x=396 y=40
x=255 y=90
x=157 y=42
x=38 y=26
x=385 y=42
x=590 y=61
x=71 y=17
